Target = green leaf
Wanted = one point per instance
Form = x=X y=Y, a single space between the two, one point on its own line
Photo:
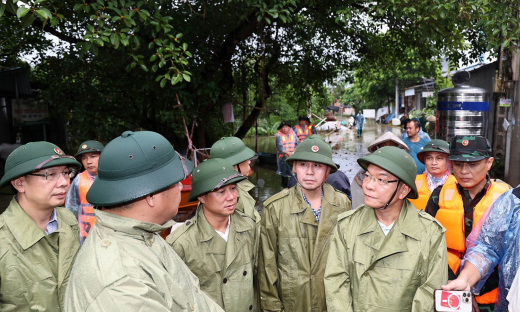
x=90 y=28
x=153 y=58
x=159 y=78
x=125 y=41
x=114 y=39
x=100 y=42
x=94 y=49
x=186 y=77
x=150 y=45
x=144 y=67
x=27 y=20
x=39 y=1
x=154 y=68
x=10 y=6
x=178 y=78
x=43 y=13
x=54 y=21
x=2 y=9
x=78 y=7
x=163 y=83
x=188 y=54
x=105 y=39
x=22 y=11
x=127 y=22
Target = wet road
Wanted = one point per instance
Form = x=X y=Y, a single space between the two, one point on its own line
x=346 y=149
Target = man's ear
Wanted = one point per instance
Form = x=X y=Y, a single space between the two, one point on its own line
x=405 y=189
x=202 y=199
x=489 y=163
x=150 y=200
x=19 y=184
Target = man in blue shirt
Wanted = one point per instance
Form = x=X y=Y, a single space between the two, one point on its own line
x=415 y=143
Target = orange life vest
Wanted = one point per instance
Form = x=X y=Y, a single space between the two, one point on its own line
x=288 y=142
x=86 y=217
x=302 y=133
x=424 y=192
x=451 y=216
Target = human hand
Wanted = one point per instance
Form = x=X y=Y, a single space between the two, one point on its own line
x=457 y=284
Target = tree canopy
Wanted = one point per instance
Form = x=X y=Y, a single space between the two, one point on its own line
x=120 y=64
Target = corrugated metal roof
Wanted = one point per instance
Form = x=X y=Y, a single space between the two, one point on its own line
x=12 y=79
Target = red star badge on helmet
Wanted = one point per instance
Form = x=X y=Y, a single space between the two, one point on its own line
x=58 y=151
x=315 y=148
x=465 y=142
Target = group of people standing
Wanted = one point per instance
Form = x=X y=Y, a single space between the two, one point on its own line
x=309 y=250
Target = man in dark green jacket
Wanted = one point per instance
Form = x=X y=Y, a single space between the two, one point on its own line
x=296 y=228
x=38 y=239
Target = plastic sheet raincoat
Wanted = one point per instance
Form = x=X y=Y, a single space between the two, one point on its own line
x=33 y=276
x=495 y=240
x=368 y=271
x=294 y=249
x=125 y=265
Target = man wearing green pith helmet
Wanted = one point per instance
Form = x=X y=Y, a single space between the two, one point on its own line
x=38 y=238
x=233 y=150
x=124 y=264
x=386 y=255
x=219 y=244
x=295 y=232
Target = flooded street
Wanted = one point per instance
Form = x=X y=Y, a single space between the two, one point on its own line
x=346 y=149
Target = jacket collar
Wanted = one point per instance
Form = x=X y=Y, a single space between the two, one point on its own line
x=245 y=185
x=24 y=229
x=329 y=202
x=206 y=232
x=127 y=225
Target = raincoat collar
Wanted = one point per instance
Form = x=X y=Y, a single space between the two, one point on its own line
x=23 y=228
x=127 y=225
x=207 y=232
x=245 y=185
x=328 y=197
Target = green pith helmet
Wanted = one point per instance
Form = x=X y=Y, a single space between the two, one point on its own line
x=469 y=148
x=397 y=162
x=231 y=149
x=438 y=146
x=211 y=175
x=134 y=165
x=91 y=146
x=33 y=157
x=314 y=149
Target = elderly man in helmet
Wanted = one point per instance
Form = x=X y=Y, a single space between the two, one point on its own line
x=295 y=233
x=386 y=255
x=88 y=154
x=219 y=244
x=38 y=238
x=124 y=264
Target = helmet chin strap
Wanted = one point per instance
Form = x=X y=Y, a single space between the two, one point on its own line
x=391 y=198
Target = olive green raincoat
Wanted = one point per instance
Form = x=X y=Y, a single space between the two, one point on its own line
x=226 y=271
x=247 y=202
x=294 y=249
x=125 y=265
x=369 y=272
x=33 y=272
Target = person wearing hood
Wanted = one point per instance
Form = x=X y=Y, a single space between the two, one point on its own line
x=286 y=143
x=434 y=156
x=387 y=139
x=360 y=123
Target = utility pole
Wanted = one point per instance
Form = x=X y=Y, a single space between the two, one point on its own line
x=396 y=96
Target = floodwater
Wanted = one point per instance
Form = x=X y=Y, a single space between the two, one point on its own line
x=346 y=149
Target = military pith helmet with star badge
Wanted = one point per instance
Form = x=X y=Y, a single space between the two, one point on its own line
x=469 y=148
x=90 y=146
x=315 y=149
x=231 y=149
x=33 y=157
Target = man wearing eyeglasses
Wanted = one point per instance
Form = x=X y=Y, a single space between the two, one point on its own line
x=295 y=232
x=38 y=239
x=386 y=255
x=88 y=154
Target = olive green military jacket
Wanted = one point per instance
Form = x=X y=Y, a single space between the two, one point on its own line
x=294 y=249
x=226 y=271
x=33 y=275
x=367 y=271
x=125 y=265
x=246 y=202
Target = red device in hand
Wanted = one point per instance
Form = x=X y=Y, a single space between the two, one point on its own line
x=447 y=301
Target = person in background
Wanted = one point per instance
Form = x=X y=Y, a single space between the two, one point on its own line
x=301 y=129
x=124 y=263
x=460 y=204
x=233 y=150
x=385 y=255
x=415 y=143
x=220 y=244
x=360 y=123
x=434 y=156
x=296 y=230
x=422 y=134
x=312 y=128
x=38 y=239
x=404 y=119
x=387 y=139
x=494 y=242
x=88 y=154
x=286 y=142
x=423 y=122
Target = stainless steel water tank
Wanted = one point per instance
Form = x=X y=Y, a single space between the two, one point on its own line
x=462 y=110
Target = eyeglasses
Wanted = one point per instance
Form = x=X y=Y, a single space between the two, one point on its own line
x=52 y=176
x=381 y=182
